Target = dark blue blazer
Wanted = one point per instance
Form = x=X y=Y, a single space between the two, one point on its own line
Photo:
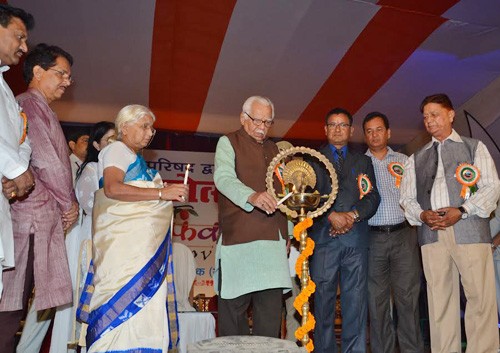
x=347 y=199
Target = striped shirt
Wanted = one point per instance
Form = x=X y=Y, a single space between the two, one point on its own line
x=389 y=211
x=481 y=203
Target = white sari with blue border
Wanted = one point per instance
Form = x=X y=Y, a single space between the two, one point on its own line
x=130 y=279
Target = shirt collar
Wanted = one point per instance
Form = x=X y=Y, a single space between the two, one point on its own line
x=390 y=152
x=334 y=150
x=3 y=68
x=37 y=93
x=454 y=136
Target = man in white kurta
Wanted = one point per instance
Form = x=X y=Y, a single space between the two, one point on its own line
x=14 y=147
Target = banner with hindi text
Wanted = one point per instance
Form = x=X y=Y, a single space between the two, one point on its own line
x=195 y=221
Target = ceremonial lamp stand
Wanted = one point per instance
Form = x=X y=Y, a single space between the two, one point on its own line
x=298 y=175
x=304 y=276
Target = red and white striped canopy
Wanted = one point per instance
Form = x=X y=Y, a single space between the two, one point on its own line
x=194 y=62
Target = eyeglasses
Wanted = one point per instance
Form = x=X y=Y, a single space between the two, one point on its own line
x=63 y=75
x=258 y=122
x=145 y=127
x=333 y=126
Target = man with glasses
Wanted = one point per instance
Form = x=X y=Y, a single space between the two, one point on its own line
x=251 y=250
x=341 y=236
x=15 y=150
x=41 y=219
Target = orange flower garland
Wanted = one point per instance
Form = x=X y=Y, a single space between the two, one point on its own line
x=306 y=292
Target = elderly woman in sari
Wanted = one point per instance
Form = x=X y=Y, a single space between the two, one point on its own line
x=127 y=295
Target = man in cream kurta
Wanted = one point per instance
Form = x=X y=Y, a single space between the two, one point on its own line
x=252 y=261
x=14 y=147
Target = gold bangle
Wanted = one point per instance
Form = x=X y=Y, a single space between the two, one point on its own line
x=159 y=194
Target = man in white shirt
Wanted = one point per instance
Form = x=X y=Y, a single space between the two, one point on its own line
x=449 y=189
x=393 y=260
x=15 y=151
x=77 y=143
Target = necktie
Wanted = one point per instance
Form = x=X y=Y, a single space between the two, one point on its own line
x=339 y=162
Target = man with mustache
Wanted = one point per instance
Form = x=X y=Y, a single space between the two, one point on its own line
x=14 y=147
x=453 y=229
x=253 y=266
x=42 y=217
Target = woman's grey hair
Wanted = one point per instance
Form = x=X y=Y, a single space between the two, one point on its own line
x=247 y=106
x=129 y=115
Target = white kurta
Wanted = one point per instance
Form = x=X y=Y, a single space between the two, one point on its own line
x=14 y=160
x=75 y=165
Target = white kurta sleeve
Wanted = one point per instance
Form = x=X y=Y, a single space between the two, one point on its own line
x=86 y=186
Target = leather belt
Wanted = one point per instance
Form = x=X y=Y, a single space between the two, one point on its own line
x=389 y=228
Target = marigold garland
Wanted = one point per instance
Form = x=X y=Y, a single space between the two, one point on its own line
x=303 y=296
x=310 y=346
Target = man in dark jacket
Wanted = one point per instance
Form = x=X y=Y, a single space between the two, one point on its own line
x=341 y=237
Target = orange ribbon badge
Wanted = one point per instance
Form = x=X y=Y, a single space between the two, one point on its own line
x=279 y=174
x=364 y=185
x=467 y=175
x=397 y=170
x=25 y=127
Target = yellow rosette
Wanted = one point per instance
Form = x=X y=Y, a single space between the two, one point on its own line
x=396 y=169
x=467 y=175
x=364 y=185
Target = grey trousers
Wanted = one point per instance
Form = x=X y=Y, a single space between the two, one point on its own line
x=394 y=268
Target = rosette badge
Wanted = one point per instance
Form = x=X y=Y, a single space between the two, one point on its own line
x=397 y=170
x=467 y=175
x=364 y=185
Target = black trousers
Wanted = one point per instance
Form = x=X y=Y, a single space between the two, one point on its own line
x=10 y=320
x=394 y=267
x=266 y=314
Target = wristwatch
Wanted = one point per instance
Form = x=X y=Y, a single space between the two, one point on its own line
x=356 y=216
x=464 y=212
